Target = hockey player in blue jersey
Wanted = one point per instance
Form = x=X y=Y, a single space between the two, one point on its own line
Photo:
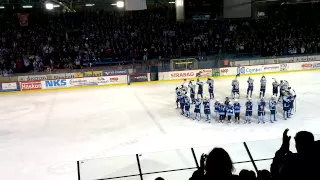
x=222 y=112
x=200 y=88
x=181 y=100
x=250 y=87
x=263 y=84
x=178 y=94
x=187 y=106
x=272 y=107
x=236 y=108
x=206 y=107
x=261 y=112
x=192 y=88
x=283 y=88
x=229 y=110
x=235 y=88
x=197 y=106
x=210 y=87
x=216 y=109
x=286 y=105
x=249 y=108
x=275 y=87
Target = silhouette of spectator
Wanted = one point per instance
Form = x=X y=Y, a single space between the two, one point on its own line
x=264 y=175
x=247 y=175
x=216 y=165
x=301 y=165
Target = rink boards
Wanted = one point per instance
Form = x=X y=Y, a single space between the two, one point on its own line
x=101 y=79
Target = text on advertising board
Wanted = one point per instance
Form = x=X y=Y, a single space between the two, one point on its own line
x=225 y=71
x=249 y=70
x=115 y=72
x=306 y=65
x=56 y=83
x=31 y=85
x=138 y=77
x=182 y=74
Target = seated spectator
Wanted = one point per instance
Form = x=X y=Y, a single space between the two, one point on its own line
x=217 y=165
x=301 y=165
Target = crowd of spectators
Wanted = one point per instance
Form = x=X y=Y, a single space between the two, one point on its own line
x=74 y=40
x=217 y=165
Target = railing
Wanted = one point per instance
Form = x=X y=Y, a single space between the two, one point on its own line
x=180 y=163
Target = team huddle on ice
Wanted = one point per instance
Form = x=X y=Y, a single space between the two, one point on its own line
x=224 y=111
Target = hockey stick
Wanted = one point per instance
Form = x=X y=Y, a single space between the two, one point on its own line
x=295 y=101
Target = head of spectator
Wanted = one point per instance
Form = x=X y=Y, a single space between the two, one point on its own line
x=264 y=175
x=159 y=178
x=304 y=141
x=219 y=164
x=247 y=175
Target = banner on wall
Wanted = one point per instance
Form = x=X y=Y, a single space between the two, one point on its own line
x=23 y=19
x=143 y=77
x=31 y=85
x=33 y=78
x=284 y=67
x=93 y=73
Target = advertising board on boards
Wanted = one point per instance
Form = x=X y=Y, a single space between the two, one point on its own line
x=31 y=85
x=13 y=86
x=58 y=83
x=143 y=77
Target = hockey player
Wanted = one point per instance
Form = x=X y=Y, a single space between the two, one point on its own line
x=249 y=107
x=187 y=106
x=292 y=98
x=286 y=105
x=283 y=88
x=263 y=84
x=235 y=88
x=184 y=89
x=206 y=106
x=226 y=103
x=229 y=109
x=181 y=100
x=200 y=88
x=179 y=95
x=250 y=87
x=197 y=114
x=216 y=109
x=192 y=88
x=261 y=112
x=275 y=87
x=210 y=87
x=236 y=108
x=222 y=111
x=272 y=107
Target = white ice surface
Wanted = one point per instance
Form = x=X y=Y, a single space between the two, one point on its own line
x=42 y=135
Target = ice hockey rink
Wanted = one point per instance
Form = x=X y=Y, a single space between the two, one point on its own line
x=43 y=134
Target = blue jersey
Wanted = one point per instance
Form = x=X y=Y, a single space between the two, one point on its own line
x=186 y=101
x=206 y=105
x=263 y=83
x=286 y=102
x=200 y=87
x=216 y=107
x=229 y=110
x=272 y=105
x=275 y=85
x=250 y=83
x=197 y=105
x=210 y=83
x=237 y=107
x=222 y=109
x=180 y=95
x=260 y=107
x=249 y=106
